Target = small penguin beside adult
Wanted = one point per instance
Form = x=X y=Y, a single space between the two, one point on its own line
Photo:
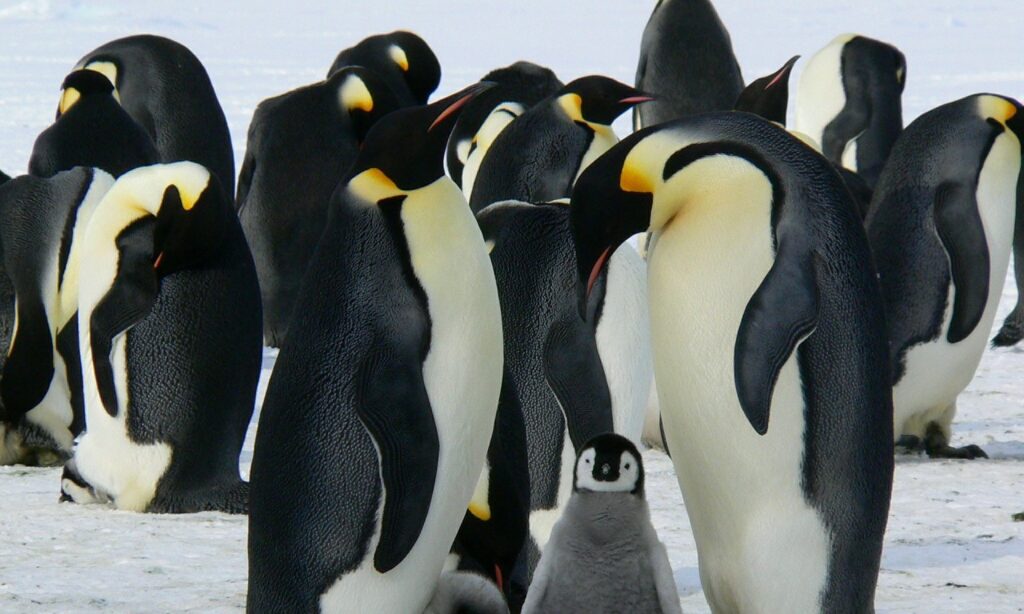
x=384 y=394
x=941 y=227
x=785 y=359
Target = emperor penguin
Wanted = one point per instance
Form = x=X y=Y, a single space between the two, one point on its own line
x=572 y=379
x=849 y=102
x=92 y=129
x=686 y=58
x=768 y=331
x=941 y=228
x=538 y=156
x=300 y=145
x=378 y=414
x=604 y=555
x=1012 y=330
x=166 y=89
x=43 y=222
x=518 y=87
x=402 y=59
x=169 y=331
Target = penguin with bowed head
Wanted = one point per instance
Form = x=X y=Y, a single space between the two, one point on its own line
x=538 y=157
x=604 y=555
x=518 y=87
x=768 y=331
x=166 y=89
x=384 y=394
x=43 y=222
x=91 y=129
x=572 y=379
x=300 y=145
x=169 y=330
x=686 y=59
x=941 y=228
x=849 y=102
x=402 y=59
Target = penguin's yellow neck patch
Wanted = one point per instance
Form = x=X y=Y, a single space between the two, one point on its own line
x=997 y=108
x=108 y=70
x=354 y=94
x=68 y=100
x=635 y=179
x=572 y=104
x=398 y=55
x=372 y=185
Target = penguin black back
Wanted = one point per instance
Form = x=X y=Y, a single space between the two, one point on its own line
x=91 y=129
x=166 y=89
x=300 y=145
x=686 y=60
x=524 y=83
x=403 y=59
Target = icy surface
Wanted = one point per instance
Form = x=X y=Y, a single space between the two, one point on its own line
x=951 y=544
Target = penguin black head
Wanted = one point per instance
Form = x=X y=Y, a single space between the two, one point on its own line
x=609 y=463
x=599 y=100
x=608 y=206
x=768 y=96
x=82 y=83
x=364 y=96
x=417 y=61
x=405 y=150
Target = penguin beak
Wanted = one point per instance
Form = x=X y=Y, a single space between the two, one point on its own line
x=634 y=100
x=452 y=105
x=782 y=75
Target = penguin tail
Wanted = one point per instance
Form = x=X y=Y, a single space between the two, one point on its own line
x=466 y=592
x=1012 y=330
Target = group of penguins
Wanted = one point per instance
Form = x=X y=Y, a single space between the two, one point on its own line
x=471 y=347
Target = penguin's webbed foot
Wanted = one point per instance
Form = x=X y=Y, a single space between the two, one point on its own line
x=909 y=444
x=937 y=446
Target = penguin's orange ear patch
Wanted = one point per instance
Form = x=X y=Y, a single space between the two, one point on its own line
x=398 y=55
x=633 y=179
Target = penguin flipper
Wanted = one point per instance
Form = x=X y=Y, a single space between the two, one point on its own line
x=1012 y=330
x=851 y=122
x=664 y=581
x=780 y=314
x=959 y=227
x=574 y=372
x=393 y=405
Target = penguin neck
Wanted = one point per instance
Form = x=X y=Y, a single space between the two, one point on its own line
x=608 y=517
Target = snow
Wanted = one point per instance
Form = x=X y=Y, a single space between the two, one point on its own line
x=951 y=544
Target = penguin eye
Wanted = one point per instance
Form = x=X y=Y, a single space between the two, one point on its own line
x=627 y=465
x=587 y=460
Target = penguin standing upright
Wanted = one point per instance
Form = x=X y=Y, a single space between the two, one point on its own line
x=604 y=554
x=768 y=96
x=300 y=145
x=384 y=395
x=169 y=331
x=539 y=155
x=518 y=87
x=572 y=379
x=686 y=59
x=402 y=59
x=768 y=330
x=165 y=88
x=941 y=227
x=91 y=130
x=849 y=102
x=43 y=222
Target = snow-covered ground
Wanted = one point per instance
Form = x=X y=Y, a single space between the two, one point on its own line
x=951 y=544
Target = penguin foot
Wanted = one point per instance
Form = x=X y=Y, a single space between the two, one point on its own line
x=909 y=444
x=937 y=446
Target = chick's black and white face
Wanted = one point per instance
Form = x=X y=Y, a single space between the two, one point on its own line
x=607 y=472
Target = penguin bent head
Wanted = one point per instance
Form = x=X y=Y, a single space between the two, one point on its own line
x=364 y=97
x=609 y=463
x=79 y=84
x=405 y=150
x=413 y=56
x=599 y=100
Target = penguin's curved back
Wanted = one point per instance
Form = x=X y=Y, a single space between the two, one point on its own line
x=166 y=89
x=687 y=61
x=403 y=59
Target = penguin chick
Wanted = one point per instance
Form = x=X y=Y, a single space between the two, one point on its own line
x=461 y=592
x=604 y=555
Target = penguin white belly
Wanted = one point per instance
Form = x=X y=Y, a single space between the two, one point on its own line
x=105 y=456
x=462 y=374
x=742 y=490
x=821 y=95
x=624 y=341
x=543 y=521
x=498 y=120
x=938 y=371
